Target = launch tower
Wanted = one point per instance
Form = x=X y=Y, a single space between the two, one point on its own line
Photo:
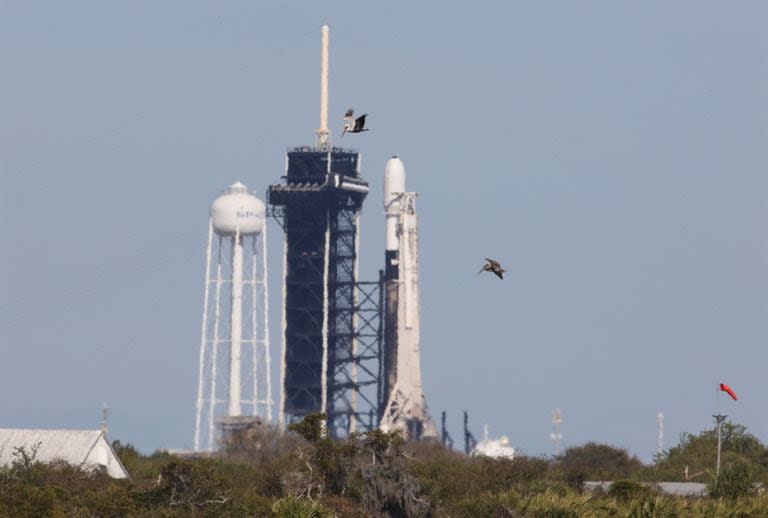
x=330 y=336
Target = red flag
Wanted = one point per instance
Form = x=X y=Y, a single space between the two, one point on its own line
x=729 y=390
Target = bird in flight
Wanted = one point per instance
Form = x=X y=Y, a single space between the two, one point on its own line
x=352 y=124
x=493 y=266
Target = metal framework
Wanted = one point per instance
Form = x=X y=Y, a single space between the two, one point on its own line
x=469 y=439
x=235 y=281
x=445 y=437
x=332 y=323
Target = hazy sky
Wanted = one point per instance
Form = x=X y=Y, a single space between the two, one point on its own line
x=612 y=155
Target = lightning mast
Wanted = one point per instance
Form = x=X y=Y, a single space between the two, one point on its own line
x=660 y=439
x=556 y=436
x=322 y=132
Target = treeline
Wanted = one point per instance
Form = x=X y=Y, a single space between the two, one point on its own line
x=261 y=472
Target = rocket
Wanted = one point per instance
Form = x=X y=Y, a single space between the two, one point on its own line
x=404 y=407
x=394 y=187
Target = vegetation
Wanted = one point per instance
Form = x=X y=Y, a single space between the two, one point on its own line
x=696 y=452
x=262 y=472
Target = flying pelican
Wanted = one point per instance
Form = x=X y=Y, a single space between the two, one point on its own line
x=352 y=125
x=493 y=266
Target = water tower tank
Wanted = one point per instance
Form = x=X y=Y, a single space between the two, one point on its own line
x=237 y=209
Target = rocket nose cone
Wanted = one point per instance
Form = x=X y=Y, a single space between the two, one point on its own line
x=394 y=179
x=394 y=166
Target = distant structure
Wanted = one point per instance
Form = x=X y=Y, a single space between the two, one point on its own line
x=103 y=423
x=556 y=436
x=494 y=448
x=234 y=386
x=331 y=336
x=469 y=440
x=445 y=437
x=86 y=449
x=660 y=438
x=406 y=408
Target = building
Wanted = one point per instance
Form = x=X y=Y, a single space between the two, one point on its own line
x=86 y=449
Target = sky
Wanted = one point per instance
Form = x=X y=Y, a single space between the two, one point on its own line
x=611 y=155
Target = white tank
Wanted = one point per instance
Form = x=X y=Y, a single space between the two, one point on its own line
x=495 y=448
x=237 y=209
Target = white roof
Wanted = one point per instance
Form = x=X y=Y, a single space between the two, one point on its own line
x=82 y=448
x=669 y=488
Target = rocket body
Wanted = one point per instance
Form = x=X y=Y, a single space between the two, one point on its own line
x=405 y=408
x=394 y=187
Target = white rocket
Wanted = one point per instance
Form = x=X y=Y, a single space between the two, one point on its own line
x=406 y=408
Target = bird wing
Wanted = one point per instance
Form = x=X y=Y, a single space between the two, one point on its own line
x=493 y=263
x=360 y=122
x=499 y=274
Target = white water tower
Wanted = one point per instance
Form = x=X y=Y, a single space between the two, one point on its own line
x=234 y=382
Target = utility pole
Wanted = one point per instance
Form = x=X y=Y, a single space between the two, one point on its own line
x=719 y=420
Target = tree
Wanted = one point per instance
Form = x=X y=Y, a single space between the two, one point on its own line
x=697 y=453
x=598 y=462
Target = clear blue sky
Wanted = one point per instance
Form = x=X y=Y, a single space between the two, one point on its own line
x=612 y=155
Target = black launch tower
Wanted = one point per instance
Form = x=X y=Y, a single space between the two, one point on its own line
x=331 y=322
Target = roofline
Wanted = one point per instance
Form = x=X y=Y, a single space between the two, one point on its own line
x=117 y=457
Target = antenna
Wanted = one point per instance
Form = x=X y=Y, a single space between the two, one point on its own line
x=323 y=138
x=660 y=439
x=103 y=424
x=556 y=436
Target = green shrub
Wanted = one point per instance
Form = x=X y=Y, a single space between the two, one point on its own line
x=267 y=473
x=625 y=490
x=734 y=481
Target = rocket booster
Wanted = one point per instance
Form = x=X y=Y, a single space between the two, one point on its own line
x=394 y=186
x=404 y=406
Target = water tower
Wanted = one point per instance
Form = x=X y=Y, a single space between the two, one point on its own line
x=234 y=387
